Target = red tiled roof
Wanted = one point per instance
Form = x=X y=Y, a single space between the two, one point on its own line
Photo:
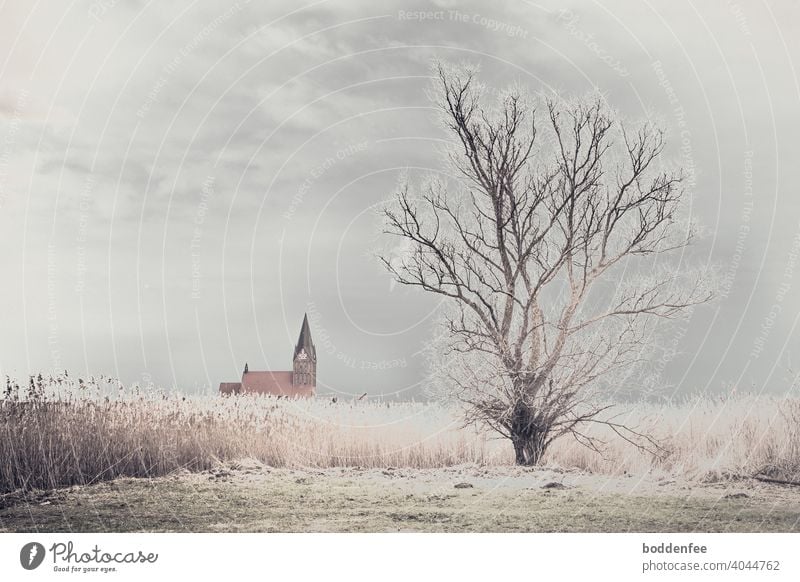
x=275 y=383
x=230 y=387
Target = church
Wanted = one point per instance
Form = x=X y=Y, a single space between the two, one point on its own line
x=299 y=382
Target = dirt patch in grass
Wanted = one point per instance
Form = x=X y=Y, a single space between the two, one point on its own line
x=249 y=497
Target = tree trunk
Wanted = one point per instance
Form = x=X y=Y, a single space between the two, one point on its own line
x=529 y=449
x=528 y=436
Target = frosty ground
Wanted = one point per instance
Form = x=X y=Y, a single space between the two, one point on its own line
x=247 y=496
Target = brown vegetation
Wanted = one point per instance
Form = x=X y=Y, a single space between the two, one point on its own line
x=59 y=432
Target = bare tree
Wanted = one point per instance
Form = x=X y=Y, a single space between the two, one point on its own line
x=545 y=253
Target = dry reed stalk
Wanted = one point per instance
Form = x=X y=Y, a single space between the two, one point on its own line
x=58 y=432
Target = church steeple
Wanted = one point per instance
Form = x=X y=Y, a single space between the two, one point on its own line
x=304 y=371
x=304 y=341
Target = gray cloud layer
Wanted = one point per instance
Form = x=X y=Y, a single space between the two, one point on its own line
x=178 y=184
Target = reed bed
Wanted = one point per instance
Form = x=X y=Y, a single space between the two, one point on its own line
x=59 y=431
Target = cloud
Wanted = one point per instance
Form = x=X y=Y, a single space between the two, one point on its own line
x=113 y=115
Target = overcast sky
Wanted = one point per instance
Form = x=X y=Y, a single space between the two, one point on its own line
x=181 y=181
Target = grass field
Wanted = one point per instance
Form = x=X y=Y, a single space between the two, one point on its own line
x=249 y=497
x=90 y=455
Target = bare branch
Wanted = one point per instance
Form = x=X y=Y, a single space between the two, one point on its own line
x=550 y=211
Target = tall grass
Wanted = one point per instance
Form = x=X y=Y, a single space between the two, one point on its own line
x=57 y=432
x=702 y=438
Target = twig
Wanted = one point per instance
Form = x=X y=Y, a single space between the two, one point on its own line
x=777 y=481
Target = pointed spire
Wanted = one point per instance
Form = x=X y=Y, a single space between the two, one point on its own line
x=304 y=342
x=246 y=369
